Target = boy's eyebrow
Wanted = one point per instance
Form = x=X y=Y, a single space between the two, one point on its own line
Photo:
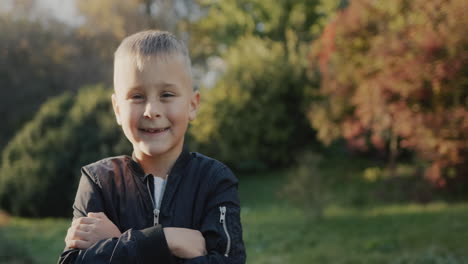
x=166 y=84
x=163 y=84
x=135 y=87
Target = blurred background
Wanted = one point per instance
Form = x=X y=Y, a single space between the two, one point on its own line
x=345 y=121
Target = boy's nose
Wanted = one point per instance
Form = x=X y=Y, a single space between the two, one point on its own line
x=152 y=110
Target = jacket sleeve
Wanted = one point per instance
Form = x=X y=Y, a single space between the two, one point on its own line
x=133 y=246
x=221 y=226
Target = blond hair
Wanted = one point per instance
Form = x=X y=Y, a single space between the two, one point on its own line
x=146 y=44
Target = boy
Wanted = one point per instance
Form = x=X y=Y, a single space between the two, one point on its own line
x=163 y=204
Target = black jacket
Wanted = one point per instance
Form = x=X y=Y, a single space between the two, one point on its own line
x=198 y=191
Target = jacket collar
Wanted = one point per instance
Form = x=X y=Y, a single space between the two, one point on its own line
x=178 y=165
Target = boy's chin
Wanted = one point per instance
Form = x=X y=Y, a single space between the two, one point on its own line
x=154 y=152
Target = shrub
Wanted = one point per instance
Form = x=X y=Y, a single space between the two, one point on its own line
x=41 y=165
x=254 y=116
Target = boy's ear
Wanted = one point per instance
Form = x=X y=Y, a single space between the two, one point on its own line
x=115 y=106
x=194 y=104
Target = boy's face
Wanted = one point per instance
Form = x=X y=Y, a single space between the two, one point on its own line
x=154 y=105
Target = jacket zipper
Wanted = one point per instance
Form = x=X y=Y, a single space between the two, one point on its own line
x=156 y=217
x=155 y=210
x=222 y=220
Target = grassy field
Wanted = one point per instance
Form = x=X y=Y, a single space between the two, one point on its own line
x=276 y=232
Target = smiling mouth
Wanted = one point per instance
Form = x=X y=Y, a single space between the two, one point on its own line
x=153 y=130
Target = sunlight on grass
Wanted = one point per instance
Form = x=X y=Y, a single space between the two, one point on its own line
x=41 y=238
x=410 y=234
x=385 y=234
x=276 y=231
x=411 y=208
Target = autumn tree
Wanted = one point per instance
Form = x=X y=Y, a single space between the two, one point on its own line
x=393 y=76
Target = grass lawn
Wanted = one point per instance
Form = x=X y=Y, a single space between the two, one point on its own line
x=436 y=233
x=276 y=232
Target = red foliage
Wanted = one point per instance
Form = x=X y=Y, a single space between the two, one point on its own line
x=397 y=69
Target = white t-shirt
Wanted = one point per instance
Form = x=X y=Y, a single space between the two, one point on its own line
x=159 y=186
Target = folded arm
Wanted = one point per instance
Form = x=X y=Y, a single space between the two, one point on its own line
x=148 y=245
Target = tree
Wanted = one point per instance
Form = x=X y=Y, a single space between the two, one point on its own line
x=254 y=117
x=258 y=103
x=41 y=165
x=224 y=22
x=394 y=77
x=40 y=59
x=29 y=69
x=120 y=18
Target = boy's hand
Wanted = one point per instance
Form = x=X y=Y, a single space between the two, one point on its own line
x=85 y=231
x=185 y=243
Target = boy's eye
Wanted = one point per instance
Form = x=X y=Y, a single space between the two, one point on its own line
x=136 y=96
x=167 y=95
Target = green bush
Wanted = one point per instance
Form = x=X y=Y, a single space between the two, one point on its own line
x=41 y=165
x=254 y=117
